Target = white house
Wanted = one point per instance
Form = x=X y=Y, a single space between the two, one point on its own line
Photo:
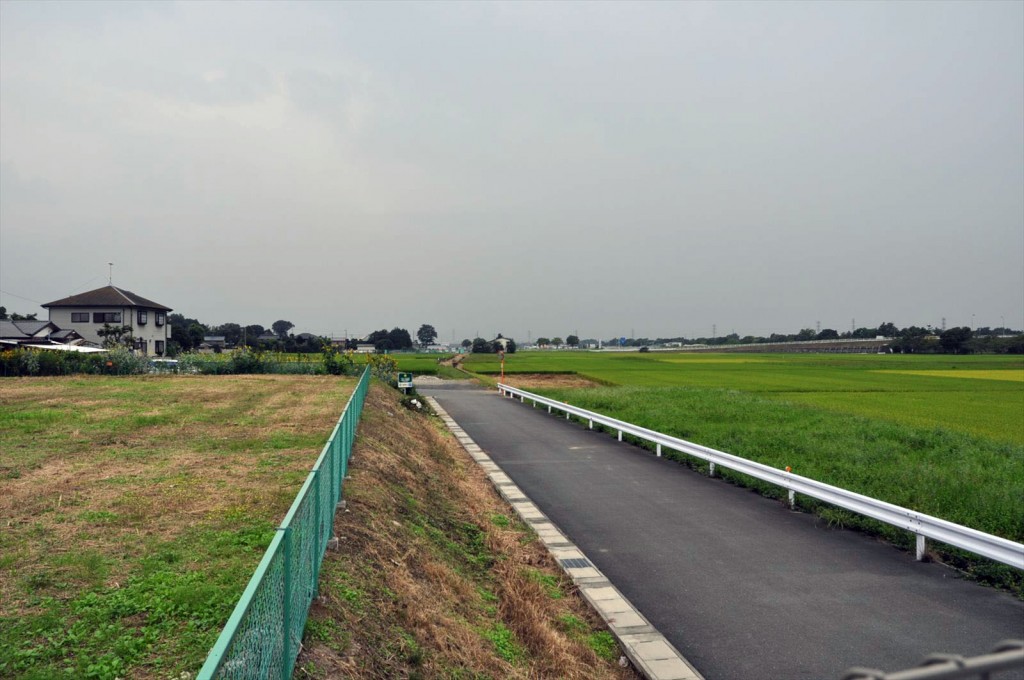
x=88 y=312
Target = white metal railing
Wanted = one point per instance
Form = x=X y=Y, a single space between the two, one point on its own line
x=922 y=525
x=1007 y=656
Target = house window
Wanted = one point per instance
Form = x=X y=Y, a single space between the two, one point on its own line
x=159 y=318
x=106 y=317
x=159 y=347
x=79 y=317
x=143 y=316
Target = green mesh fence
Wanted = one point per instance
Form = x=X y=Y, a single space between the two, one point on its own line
x=262 y=637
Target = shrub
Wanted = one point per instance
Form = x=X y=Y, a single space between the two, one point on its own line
x=384 y=367
x=336 y=363
x=245 y=361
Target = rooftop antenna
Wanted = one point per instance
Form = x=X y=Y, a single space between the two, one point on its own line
x=110 y=274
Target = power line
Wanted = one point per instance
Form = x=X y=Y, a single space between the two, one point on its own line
x=20 y=297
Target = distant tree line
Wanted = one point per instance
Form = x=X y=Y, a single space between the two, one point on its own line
x=912 y=339
x=499 y=344
x=188 y=334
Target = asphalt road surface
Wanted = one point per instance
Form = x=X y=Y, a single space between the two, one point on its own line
x=741 y=585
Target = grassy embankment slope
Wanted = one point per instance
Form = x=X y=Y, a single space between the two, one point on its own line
x=939 y=434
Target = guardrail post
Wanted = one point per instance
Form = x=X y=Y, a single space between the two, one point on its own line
x=620 y=435
x=286 y=619
x=658 y=450
x=919 y=552
x=549 y=408
x=711 y=469
x=792 y=499
x=590 y=424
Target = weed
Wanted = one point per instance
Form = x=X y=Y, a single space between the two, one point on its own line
x=550 y=582
x=604 y=645
x=504 y=643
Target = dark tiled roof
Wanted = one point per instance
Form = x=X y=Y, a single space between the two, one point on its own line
x=23 y=329
x=108 y=296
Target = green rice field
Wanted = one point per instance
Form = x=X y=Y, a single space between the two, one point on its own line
x=978 y=395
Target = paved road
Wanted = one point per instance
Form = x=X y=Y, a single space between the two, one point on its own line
x=742 y=586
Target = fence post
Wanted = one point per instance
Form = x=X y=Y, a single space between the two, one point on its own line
x=287 y=617
x=319 y=532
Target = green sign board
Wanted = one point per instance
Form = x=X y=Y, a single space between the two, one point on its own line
x=405 y=379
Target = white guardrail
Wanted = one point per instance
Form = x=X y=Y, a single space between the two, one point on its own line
x=922 y=525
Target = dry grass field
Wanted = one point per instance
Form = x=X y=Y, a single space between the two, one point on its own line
x=134 y=509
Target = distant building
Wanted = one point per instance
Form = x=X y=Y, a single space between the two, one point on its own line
x=17 y=333
x=87 y=313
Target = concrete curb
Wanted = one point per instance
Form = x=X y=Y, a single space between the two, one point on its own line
x=652 y=655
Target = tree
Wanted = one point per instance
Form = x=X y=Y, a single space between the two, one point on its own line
x=426 y=334
x=400 y=338
x=232 y=333
x=467 y=343
x=953 y=340
x=196 y=332
x=3 y=314
x=115 y=336
x=281 y=327
x=888 y=329
x=481 y=346
x=827 y=334
x=805 y=334
x=572 y=340
x=556 y=341
x=510 y=347
x=23 y=317
x=541 y=342
x=251 y=334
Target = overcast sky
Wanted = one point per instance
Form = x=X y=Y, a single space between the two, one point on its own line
x=524 y=168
